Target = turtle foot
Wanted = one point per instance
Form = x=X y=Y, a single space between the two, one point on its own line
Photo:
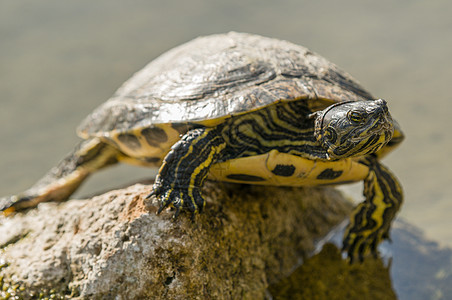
x=181 y=198
x=358 y=244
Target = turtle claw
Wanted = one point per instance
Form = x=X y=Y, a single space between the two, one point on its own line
x=176 y=214
x=151 y=194
x=353 y=253
x=161 y=208
x=180 y=198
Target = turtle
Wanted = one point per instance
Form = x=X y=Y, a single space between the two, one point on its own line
x=240 y=108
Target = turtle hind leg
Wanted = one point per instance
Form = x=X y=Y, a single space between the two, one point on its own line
x=371 y=220
x=61 y=181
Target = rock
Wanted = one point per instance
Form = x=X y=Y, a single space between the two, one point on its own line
x=111 y=246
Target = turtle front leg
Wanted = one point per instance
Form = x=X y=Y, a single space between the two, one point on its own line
x=371 y=220
x=185 y=168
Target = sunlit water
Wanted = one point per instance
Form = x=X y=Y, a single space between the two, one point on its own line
x=61 y=59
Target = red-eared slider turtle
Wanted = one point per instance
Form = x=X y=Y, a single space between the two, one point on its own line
x=241 y=108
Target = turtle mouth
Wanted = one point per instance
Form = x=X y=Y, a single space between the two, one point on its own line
x=387 y=134
x=382 y=127
x=383 y=130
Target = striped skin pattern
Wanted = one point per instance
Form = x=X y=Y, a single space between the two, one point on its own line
x=185 y=169
x=282 y=127
x=371 y=220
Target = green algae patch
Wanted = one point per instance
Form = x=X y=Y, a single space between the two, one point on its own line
x=327 y=276
x=11 y=290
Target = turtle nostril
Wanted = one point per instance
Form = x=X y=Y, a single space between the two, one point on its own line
x=381 y=102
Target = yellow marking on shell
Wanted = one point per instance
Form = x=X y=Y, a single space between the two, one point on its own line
x=306 y=171
x=146 y=150
x=212 y=122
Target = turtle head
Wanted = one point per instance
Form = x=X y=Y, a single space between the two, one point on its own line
x=354 y=128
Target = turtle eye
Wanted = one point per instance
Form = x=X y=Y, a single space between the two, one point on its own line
x=356 y=116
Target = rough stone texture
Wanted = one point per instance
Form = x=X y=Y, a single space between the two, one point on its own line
x=113 y=247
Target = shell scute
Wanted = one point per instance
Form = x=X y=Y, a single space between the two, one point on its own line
x=210 y=78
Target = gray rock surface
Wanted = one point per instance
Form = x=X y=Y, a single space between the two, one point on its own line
x=112 y=247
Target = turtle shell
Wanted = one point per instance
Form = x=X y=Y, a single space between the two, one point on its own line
x=216 y=76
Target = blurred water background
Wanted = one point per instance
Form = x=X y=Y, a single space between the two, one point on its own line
x=61 y=59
